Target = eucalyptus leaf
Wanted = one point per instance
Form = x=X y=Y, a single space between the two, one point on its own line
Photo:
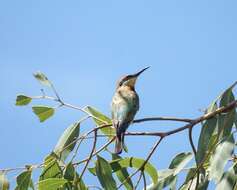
x=220 y=157
x=225 y=123
x=69 y=172
x=180 y=161
x=23 y=180
x=204 y=139
x=32 y=185
x=92 y=171
x=168 y=178
x=104 y=174
x=191 y=185
x=227 y=97
x=122 y=174
x=51 y=184
x=135 y=163
x=42 y=78
x=67 y=141
x=229 y=118
x=51 y=168
x=4 y=184
x=78 y=183
x=212 y=107
x=102 y=120
x=22 y=100
x=43 y=112
x=228 y=180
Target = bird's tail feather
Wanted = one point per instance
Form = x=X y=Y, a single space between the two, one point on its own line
x=118 y=146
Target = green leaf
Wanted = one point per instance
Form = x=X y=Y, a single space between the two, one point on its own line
x=23 y=180
x=67 y=141
x=69 y=172
x=135 y=163
x=51 y=184
x=42 y=79
x=227 y=97
x=212 y=107
x=191 y=180
x=32 y=184
x=207 y=131
x=180 y=161
x=102 y=120
x=4 y=184
x=22 y=100
x=173 y=183
x=104 y=174
x=224 y=98
x=92 y=171
x=191 y=185
x=211 y=147
x=51 y=168
x=228 y=180
x=168 y=177
x=190 y=174
x=229 y=118
x=218 y=160
x=78 y=183
x=122 y=174
x=226 y=123
x=43 y=112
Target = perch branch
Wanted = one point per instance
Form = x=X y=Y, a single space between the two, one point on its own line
x=191 y=123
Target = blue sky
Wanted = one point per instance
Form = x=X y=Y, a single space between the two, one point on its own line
x=85 y=46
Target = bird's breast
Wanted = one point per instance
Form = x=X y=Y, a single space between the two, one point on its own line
x=125 y=104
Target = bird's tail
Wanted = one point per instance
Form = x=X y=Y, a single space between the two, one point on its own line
x=118 y=145
x=119 y=142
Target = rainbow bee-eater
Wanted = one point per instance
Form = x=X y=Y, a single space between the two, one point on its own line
x=125 y=104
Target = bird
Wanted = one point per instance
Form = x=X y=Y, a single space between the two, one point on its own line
x=124 y=106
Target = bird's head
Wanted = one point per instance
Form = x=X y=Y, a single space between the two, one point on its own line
x=130 y=80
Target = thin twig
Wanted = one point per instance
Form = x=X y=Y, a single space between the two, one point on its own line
x=91 y=154
x=190 y=130
x=144 y=180
x=85 y=135
x=138 y=181
x=56 y=93
x=80 y=138
x=68 y=105
x=21 y=168
x=95 y=153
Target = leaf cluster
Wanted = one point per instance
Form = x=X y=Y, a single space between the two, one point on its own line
x=213 y=158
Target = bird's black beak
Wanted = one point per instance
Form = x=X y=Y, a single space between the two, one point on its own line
x=140 y=72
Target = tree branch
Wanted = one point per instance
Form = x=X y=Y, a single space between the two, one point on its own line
x=162 y=119
x=191 y=123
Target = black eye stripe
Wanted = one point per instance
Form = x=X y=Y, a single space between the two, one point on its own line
x=125 y=79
